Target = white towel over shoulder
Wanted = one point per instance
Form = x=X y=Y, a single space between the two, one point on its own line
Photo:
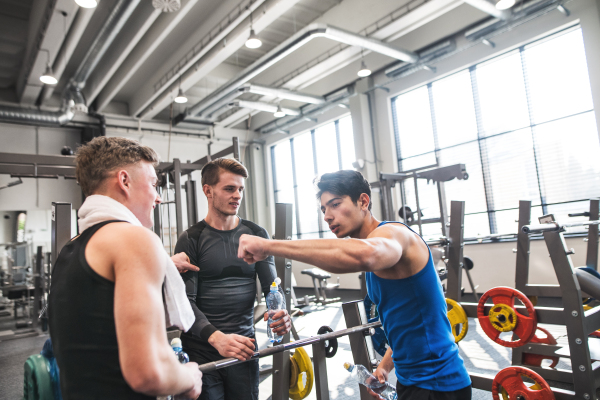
x=98 y=208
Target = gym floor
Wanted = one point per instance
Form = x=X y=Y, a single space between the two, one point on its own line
x=480 y=354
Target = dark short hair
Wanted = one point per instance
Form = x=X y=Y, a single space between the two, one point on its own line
x=96 y=159
x=211 y=172
x=344 y=183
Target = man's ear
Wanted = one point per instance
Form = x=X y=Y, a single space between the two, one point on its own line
x=124 y=180
x=364 y=201
x=207 y=189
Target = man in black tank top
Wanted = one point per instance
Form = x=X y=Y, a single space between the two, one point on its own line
x=106 y=315
x=222 y=293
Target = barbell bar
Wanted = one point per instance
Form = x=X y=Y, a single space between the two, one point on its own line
x=227 y=362
x=555 y=226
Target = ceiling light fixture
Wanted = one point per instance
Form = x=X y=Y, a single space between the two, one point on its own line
x=253 y=41
x=87 y=3
x=505 y=4
x=180 y=99
x=279 y=113
x=363 y=71
x=48 y=77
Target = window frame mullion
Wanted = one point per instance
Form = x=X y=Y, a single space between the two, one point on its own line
x=295 y=183
x=316 y=170
x=483 y=155
x=533 y=129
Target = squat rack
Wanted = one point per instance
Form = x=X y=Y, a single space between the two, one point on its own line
x=579 y=323
x=434 y=173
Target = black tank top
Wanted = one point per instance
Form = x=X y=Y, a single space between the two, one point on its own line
x=82 y=327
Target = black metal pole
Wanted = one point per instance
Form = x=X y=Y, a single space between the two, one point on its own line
x=227 y=362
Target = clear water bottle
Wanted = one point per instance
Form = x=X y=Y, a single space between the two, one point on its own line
x=183 y=359
x=274 y=304
x=177 y=348
x=364 y=377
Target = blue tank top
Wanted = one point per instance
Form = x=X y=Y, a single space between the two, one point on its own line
x=413 y=314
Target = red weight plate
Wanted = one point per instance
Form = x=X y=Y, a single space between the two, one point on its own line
x=526 y=325
x=536 y=359
x=511 y=380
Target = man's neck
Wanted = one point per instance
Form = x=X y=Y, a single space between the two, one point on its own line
x=221 y=221
x=370 y=223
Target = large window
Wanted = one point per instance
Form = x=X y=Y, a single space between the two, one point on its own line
x=297 y=161
x=523 y=124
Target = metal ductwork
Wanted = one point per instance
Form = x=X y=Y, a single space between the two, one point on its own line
x=489 y=8
x=482 y=32
x=73 y=101
x=262 y=106
x=282 y=93
x=309 y=112
x=286 y=48
x=428 y=54
x=529 y=11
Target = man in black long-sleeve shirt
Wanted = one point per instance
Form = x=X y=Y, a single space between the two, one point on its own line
x=222 y=293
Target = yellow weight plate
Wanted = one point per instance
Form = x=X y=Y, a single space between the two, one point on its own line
x=300 y=390
x=503 y=318
x=294 y=370
x=457 y=316
x=533 y=300
x=505 y=395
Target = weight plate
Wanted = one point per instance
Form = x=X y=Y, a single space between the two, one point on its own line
x=525 y=325
x=304 y=383
x=457 y=317
x=536 y=359
x=503 y=318
x=331 y=345
x=509 y=382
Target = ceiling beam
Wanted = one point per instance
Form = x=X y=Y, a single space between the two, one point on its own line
x=407 y=23
x=161 y=29
x=211 y=58
x=137 y=26
x=44 y=46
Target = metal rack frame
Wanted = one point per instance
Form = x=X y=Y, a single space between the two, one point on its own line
x=579 y=323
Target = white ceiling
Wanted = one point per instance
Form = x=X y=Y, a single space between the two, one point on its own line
x=122 y=84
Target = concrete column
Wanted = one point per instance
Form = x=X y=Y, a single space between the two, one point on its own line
x=363 y=137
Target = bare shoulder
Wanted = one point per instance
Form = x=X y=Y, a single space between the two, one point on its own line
x=398 y=232
x=122 y=244
x=123 y=234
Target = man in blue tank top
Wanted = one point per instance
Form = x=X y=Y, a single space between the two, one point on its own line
x=401 y=281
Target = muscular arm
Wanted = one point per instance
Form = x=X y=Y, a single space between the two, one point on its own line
x=146 y=359
x=381 y=250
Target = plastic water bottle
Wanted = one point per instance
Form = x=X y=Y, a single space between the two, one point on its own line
x=177 y=348
x=274 y=304
x=364 y=377
x=183 y=359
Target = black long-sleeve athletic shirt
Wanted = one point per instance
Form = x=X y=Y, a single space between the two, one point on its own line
x=222 y=293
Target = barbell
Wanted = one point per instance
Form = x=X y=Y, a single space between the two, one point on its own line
x=269 y=351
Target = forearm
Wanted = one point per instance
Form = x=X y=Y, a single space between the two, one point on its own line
x=387 y=363
x=333 y=255
x=174 y=378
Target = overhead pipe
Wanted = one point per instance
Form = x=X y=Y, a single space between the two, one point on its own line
x=490 y=9
x=310 y=111
x=84 y=15
x=72 y=98
x=111 y=28
x=286 y=48
x=262 y=106
x=174 y=82
x=282 y=93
